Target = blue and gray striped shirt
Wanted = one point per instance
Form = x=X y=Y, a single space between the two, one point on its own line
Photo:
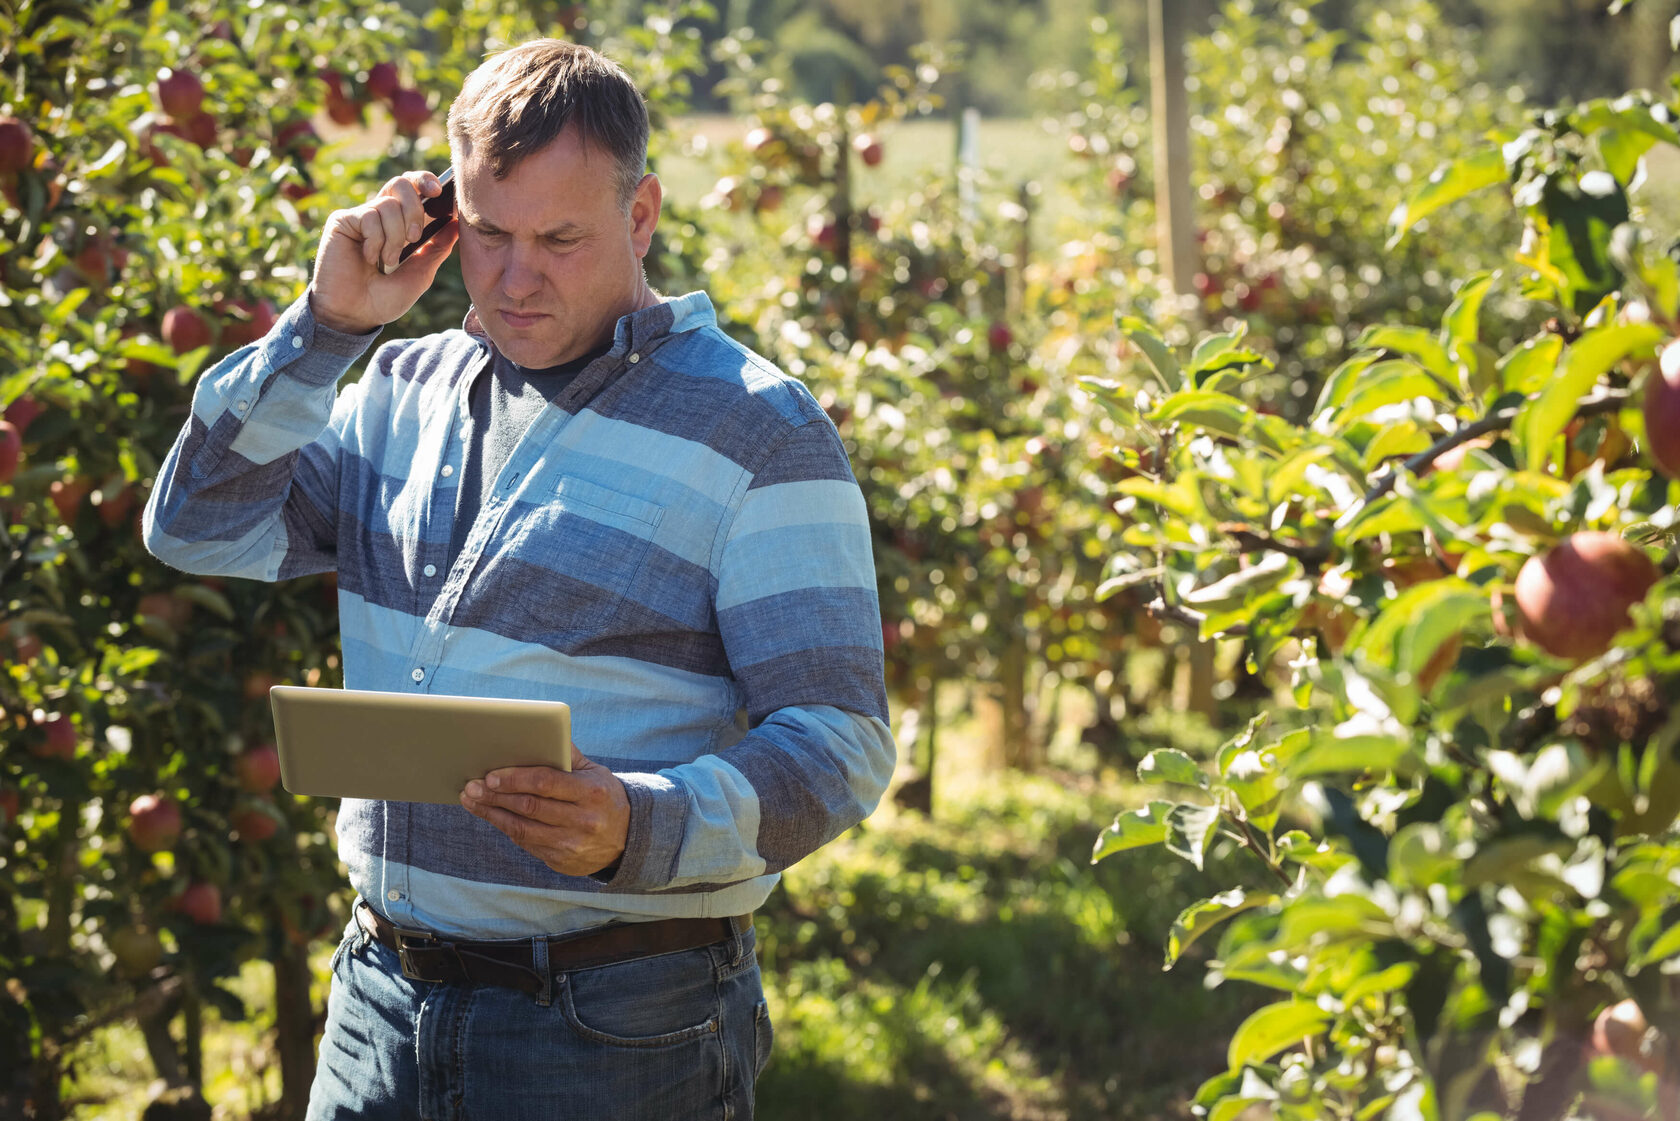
x=676 y=547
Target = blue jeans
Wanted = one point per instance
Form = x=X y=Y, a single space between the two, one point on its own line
x=666 y=1038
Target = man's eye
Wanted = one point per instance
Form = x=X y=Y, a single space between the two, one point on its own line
x=562 y=242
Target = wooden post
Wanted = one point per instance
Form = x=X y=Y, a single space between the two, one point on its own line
x=1174 y=223
x=1176 y=239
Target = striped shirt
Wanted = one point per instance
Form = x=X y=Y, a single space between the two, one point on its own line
x=676 y=547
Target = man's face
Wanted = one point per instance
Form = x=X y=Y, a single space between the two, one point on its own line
x=550 y=258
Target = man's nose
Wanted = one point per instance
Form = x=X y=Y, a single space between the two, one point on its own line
x=521 y=274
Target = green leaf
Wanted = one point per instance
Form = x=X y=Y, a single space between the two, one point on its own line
x=1331 y=753
x=1339 y=385
x=1625 y=130
x=1664 y=946
x=1413 y=628
x=1199 y=918
x=1273 y=1028
x=1219 y=413
x=1244 y=584
x=1389 y=383
x=1588 y=360
x=1421 y=854
x=206 y=597
x=1134 y=829
x=1579 y=217
x=1449 y=183
x=1415 y=341
x=1531 y=365
x=1165 y=765
x=1179 y=496
x=1500 y=860
x=1462 y=323
x=1190 y=830
x=1162 y=362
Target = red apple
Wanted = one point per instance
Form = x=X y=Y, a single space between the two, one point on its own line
x=154 y=822
x=258 y=769
x=185 y=329
x=999 y=336
x=17 y=145
x=868 y=148
x=383 y=80
x=410 y=111
x=825 y=234
x=253 y=824
x=22 y=412
x=11 y=450
x=67 y=496
x=201 y=902
x=299 y=138
x=200 y=129
x=115 y=506
x=179 y=92
x=1662 y=411
x=57 y=739
x=248 y=322
x=341 y=109
x=1573 y=599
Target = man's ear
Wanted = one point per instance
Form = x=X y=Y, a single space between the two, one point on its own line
x=644 y=212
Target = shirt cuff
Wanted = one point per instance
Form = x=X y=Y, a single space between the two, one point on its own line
x=658 y=817
x=308 y=350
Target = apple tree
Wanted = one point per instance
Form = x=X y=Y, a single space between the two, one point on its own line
x=1456 y=569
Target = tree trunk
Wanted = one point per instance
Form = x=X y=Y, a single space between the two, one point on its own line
x=294 y=1029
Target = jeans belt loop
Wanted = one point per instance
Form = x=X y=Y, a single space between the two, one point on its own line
x=539 y=962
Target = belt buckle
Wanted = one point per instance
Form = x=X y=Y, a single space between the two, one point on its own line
x=404 y=937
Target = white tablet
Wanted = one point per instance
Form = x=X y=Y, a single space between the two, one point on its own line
x=409 y=747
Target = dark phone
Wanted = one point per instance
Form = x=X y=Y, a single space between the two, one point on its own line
x=439 y=210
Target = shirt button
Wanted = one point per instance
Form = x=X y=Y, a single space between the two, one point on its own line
x=447 y=470
x=635 y=358
x=297 y=342
x=430 y=570
x=418 y=674
x=393 y=895
x=241 y=406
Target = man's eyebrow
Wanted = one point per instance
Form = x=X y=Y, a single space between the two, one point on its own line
x=564 y=229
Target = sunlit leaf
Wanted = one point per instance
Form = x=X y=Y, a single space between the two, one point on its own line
x=1274 y=1027
x=1171 y=766
x=1446 y=185
x=1134 y=829
x=1199 y=918
x=1589 y=358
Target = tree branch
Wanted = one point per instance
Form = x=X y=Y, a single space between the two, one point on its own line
x=1609 y=401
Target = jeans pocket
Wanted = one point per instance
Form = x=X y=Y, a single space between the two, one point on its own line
x=764 y=1037
x=655 y=1002
x=351 y=937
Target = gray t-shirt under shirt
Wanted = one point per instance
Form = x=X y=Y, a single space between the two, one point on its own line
x=502 y=403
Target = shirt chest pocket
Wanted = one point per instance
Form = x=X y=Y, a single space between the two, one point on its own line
x=568 y=563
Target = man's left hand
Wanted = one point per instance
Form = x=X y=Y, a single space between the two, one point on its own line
x=575 y=822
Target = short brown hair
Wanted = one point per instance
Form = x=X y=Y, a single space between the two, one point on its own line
x=519 y=100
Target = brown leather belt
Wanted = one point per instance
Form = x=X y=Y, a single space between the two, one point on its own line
x=512 y=963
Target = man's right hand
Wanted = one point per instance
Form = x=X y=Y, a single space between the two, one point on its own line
x=352 y=291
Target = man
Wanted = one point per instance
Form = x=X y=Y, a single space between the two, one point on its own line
x=589 y=493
